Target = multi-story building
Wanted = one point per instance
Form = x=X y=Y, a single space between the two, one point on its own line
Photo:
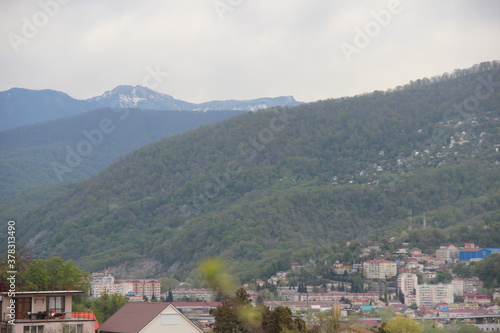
x=337 y=296
x=43 y=311
x=448 y=253
x=464 y=286
x=431 y=294
x=478 y=298
x=379 y=269
x=150 y=288
x=407 y=283
x=416 y=251
x=102 y=283
x=200 y=294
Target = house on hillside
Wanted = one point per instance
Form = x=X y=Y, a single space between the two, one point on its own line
x=448 y=253
x=43 y=311
x=145 y=317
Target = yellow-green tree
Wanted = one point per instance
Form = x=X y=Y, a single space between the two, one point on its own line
x=400 y=324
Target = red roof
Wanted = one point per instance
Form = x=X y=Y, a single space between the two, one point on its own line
x=359 y=329
x=380 y=261
x=372 y=323
x=480 y=296
x=86 y=315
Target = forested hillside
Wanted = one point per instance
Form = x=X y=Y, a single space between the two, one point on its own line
x=266 y=188
x=72 y=149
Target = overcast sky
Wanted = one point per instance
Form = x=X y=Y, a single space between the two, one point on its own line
x=241 y=49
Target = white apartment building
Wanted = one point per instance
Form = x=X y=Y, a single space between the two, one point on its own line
x=407 y=283
x=102 y=283
x=431 y=294
x=379 y=269
x=448 y=253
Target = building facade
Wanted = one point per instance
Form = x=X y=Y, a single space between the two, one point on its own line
x=465 y=286
x=379 y=269
x=407 y=283
x=429 y=295
x=476 y=254
x=196 y=294
x=448 y=253
x=43 y=311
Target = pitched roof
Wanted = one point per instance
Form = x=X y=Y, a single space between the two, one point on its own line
x=134 y=316
x=359 y=329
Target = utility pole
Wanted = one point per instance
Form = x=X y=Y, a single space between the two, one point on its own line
x=409 y=220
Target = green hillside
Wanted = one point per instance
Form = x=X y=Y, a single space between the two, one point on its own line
x=38 y=154
x=265 y=188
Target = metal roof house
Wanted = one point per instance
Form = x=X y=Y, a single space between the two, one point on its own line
x=144 y=317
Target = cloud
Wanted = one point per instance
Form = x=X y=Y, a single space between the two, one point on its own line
x=260 y=48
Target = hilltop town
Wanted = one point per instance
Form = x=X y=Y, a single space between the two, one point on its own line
x=408 y=282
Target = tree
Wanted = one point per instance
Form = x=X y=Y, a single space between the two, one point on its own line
x=488 y=270
x=170 y=297
x=281 y=320
x=357 y=284
x=463 y=328
x=462 y=270
x=53 y=273
x=400 y=324
x=443 y=277
x=327 y=322
x=431 y=326
x=235 y=314
x=401 y=296
x=106 y=305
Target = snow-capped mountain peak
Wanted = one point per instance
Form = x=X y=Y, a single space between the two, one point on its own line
x=125 y=96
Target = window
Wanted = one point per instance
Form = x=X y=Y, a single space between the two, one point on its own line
x=73 y=328
x=33 y=329
x=169 y=319
x=55 y=304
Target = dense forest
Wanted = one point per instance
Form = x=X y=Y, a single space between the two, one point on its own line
x=266 y=188
x=74 y=148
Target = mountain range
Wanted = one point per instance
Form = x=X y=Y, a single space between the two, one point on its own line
x=20 y=107
x=72 y=149
x=267 y=188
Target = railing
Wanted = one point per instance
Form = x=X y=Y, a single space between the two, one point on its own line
x=45 y=316
x=46 y=287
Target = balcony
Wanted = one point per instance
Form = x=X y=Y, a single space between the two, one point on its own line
x=46 y=287
x=31 y=317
